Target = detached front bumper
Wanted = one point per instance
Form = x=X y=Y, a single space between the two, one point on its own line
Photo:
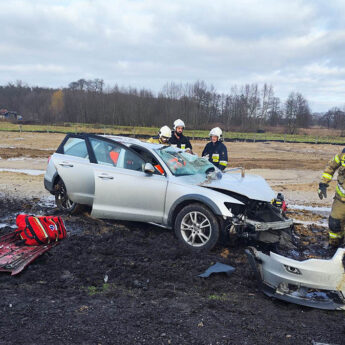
x=316 y=283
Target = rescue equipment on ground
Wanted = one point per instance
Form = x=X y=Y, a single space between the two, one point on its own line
x=40 y=230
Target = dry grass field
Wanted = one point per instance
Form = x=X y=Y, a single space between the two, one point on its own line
x=293 y=168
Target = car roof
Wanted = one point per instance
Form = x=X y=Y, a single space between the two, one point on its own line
x=128 y=141
x=122 y=139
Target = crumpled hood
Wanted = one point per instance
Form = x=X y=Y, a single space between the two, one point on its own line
x=252 y=186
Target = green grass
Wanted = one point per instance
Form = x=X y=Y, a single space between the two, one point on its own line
x=150 y=131
x=215 y=297
x=94 y=290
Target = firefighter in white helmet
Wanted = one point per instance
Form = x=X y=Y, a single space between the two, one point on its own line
x=177 y=137
x=163 y=137
x=215 y=150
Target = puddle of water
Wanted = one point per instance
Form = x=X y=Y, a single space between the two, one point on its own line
x=25 y=171
x=323 y=224
x=3 y=225
x=310 y=208
x=28 y=159
x=15 y=147
x=48 y=201
x=320 y=210
x=16 y=159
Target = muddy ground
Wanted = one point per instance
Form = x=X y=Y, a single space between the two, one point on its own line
x=131 y=283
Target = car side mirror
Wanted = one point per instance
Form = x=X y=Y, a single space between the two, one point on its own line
x=149 y=169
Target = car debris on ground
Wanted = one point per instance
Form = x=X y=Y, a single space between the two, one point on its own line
x=15 y=256
x=218 y=267
x=33 y=237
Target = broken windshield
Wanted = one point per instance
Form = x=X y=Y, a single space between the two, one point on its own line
x=181 y=163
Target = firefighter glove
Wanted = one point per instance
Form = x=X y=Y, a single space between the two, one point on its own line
x=322 y=191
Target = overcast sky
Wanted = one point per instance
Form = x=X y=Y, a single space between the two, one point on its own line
x=293 y=45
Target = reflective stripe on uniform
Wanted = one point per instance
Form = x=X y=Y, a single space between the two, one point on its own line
x=224 y=163
x=327 y=176
x=337 y=159
x=215 y=157
x=335 y=235
x=340 y=190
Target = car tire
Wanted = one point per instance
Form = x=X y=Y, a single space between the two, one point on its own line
x=197 y=228
x=62 y=200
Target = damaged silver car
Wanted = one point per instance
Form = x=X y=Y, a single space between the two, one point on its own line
x=126 y=179
x=317 y=283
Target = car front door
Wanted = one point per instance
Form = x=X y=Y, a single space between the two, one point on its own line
x=73 y=166
x=122 y=189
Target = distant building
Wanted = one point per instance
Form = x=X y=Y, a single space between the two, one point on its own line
x=10 y=115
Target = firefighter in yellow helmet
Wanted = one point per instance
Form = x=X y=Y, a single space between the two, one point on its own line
x=336 y=221
x=163 y=137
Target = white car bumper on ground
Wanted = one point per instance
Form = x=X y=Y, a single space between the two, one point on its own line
x=317 y=283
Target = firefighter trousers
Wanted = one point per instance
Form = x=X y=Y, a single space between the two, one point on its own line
x=336 y=223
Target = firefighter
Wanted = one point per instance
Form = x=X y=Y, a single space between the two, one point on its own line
x=163 y=137
x=336 y=220
x=216 y=150
x=177 y=137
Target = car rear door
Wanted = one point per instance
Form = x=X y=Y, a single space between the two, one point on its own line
x=73 y=166
x=122 y=189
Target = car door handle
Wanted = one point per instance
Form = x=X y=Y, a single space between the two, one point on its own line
x=66 y=164
x=106 y=177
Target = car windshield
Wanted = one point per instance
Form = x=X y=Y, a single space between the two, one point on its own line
x=182 y=163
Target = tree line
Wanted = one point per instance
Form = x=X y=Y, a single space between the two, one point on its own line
x=247 y=108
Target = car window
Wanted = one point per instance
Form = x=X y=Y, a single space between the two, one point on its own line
x=182 y=163
x=106 y=153
x=112 y=154
x=76 y=147
x=149 y=158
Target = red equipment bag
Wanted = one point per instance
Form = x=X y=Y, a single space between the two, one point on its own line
x=40 y=230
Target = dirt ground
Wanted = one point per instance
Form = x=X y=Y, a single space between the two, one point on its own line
x=131 y=283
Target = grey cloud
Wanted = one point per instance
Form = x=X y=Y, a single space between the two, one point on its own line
x=295 y=45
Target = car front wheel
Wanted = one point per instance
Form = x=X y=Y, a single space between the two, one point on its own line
x=63 y=202
x=197 y=228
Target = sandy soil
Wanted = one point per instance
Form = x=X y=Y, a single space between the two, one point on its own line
x=294 y=169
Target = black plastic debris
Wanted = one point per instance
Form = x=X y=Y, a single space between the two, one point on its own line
x=217 y=268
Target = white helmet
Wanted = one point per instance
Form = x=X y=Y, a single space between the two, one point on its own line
x=217 y=132
x=178 y=123
x=165 y=131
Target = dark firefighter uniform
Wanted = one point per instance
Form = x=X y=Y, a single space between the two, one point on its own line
x=217 y=154
x=336 y=220
x=180 y=141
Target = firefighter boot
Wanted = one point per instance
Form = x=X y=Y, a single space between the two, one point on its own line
x=335 y=232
